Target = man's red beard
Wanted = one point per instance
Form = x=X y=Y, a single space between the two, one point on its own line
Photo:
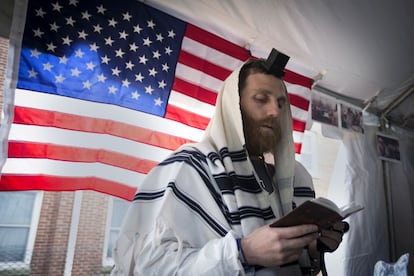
x=259 y=140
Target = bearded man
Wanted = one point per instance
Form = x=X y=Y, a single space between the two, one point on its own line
x=206 y=209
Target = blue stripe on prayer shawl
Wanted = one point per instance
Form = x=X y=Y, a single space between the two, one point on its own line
x=213 y=156
x=197 y=161
x=148 y=196
x=250 y=212
x=228 y=184
x=198 y=209
x=236 y=156
x=247 y=212
x=183 y=156
x=234 y=218
x=303 y=192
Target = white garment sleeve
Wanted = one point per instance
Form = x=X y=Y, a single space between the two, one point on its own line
x=162 y=252
x=167 y=235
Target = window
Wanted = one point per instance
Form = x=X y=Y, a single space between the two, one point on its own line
x=117 y=209
x=308 y=156
x=319 y=154
x=19 y=216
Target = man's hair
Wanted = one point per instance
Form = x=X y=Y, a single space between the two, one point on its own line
x=252 y=66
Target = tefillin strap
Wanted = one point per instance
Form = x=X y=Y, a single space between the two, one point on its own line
x=276 y=63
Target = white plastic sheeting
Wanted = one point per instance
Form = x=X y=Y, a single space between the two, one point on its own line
x=384 y=229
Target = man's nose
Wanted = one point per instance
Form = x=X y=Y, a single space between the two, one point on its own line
x=273 y=109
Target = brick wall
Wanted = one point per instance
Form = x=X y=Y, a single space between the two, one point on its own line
x=91 y=234
x=50 y=247
x=53 y=233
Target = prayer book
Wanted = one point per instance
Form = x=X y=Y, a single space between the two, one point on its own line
x=320 y=211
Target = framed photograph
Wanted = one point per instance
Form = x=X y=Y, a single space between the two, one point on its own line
x=388 y=147
x=351 y=118
x=324 y=109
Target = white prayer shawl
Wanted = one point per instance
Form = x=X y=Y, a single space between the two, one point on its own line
x=189 y=209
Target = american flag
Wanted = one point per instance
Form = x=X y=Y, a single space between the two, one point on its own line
x=107 y=89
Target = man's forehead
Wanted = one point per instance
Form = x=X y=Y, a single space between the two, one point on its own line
x=265 y=82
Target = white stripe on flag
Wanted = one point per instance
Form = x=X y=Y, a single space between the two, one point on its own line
x=50 y=135
x=105 y=111
x=210 y=54
x=189 y=103
x=192 y=75
x=298 y=90
x=29 y=166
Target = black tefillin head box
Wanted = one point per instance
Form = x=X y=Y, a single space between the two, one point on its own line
x=276 y=63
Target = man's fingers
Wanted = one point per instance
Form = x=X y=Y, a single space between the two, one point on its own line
x=331 y=234
x=296 y=231
x=329 y=240
x=341 y=226
x=327 y=244
x=298 y=243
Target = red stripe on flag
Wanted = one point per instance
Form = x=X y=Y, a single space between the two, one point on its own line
x=203 y=65
x=76 y=154
x=295 y=78
x=195 y=91
x=32 y=116
x=12 y=182
x=298 y=126
x=299 y=101
x=186 y=117
x=216 y=42
x=298 y=147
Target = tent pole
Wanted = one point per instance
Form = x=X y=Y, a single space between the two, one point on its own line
x=390 y=211
x=353 y=101
x=385 y=169
x=397 y=101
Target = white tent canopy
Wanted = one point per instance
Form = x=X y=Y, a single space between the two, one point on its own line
x=361 y=51
x=361 y=48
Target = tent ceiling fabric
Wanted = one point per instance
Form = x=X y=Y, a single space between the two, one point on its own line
x=362 y=47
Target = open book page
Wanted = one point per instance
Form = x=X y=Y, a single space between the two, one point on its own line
x=349 y=209
x=327 y=203
x=344 y=211
x=321 y=211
